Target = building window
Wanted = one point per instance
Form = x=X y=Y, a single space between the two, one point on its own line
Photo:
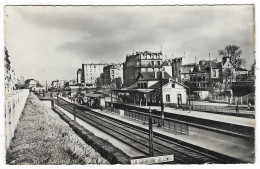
x=199 y=78
x=214 y=73
x=203 y=78
x=158 y=62
x=152 y=63
x=173 y=85
x=168 y=99
x=145 y=85
x=142 y=85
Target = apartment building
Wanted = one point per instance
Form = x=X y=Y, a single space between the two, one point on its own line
x=141 y=62
x=90 y=73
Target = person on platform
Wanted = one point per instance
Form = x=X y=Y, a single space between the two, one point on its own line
x=237 y=110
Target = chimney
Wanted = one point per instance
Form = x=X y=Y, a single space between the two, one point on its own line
x=163 y=74
x=228 y=59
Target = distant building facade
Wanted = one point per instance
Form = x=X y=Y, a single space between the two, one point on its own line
x=72 y=82
x=100 y=81
x=59 y=84
x=112 y=74
x=141 y=62
x=31 y=84
x=79 y=72
x=9 y=74
x=173 y=68
x=90 y=73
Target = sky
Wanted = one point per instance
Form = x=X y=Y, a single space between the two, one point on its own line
x=49 y=43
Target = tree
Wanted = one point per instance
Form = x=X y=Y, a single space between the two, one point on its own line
x=227 y=78
x=233 y=52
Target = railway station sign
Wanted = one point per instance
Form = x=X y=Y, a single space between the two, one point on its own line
x=153 y=160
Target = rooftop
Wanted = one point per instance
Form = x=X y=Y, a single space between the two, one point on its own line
x=151 y=75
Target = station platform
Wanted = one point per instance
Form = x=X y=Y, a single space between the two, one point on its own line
x=249 y=122
x=228 y=145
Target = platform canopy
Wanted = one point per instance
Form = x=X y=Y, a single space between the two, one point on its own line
x=94 y=95
x=134 y=90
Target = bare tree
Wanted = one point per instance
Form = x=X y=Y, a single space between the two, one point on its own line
x=228 y=78
x=233 y=52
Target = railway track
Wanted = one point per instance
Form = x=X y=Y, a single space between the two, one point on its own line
x=137 y=138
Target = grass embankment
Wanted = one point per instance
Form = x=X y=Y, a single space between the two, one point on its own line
x=42 y=137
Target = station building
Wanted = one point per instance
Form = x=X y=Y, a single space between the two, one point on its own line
x=148 y=87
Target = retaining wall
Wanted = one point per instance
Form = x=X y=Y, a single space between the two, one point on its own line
x=14 y=105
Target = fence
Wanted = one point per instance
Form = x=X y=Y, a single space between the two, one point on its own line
x=234 y=100
x=14 y=104
x=169 y=124
x=221 y=109
x=113 y=110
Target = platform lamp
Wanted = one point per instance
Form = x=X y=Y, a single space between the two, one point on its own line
x=111 y=87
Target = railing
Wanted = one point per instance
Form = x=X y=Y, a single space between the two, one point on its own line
x=14 y=104
x=169 y=124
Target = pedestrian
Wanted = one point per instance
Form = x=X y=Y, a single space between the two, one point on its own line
x=249 y=106
x=237 y=111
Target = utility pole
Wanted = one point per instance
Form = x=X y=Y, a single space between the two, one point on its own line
x=162 y=105
x=111 y=95
x=74 y=110
x=46 y=87
x=189 y=101
x=151 y=149
x=58 y=100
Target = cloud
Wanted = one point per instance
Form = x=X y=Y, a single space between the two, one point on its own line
x=73 y=35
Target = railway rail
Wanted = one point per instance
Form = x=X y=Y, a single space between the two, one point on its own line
x=138 y=138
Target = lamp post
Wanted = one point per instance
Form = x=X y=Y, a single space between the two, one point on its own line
x=151 y=149
x=162 y=105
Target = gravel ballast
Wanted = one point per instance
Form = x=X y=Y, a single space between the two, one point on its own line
x=42 y=137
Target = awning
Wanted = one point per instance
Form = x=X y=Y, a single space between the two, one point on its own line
x=134 y=90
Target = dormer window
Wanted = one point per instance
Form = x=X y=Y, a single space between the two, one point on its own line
x=173 y=85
